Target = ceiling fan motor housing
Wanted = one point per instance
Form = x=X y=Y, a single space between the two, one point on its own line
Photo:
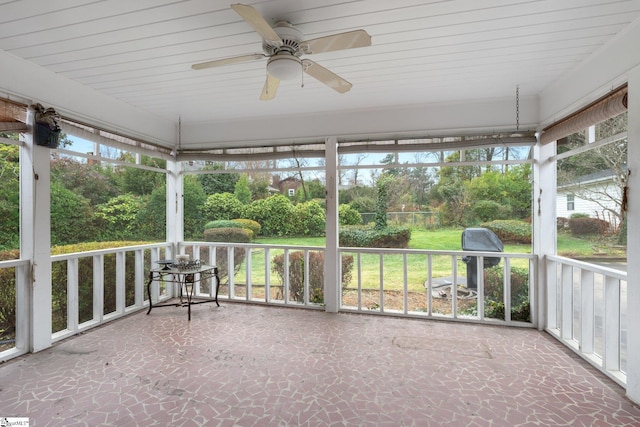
x=291 y=40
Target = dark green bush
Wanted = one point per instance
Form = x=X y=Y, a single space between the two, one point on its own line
x=576 y=215
x=249 y=224
x=223 y=206
x=366 y=237
x=510 y=231
x=347 y=215
x=309 y=219
x=316 y=274
x=273 y=214
x=489 y=210
x=235 y=235
x=223 y=223
x=587 y=226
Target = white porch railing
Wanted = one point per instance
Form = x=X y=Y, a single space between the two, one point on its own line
x=419 y=283
x=91 y=288
x=376 y=281
x=587 y=311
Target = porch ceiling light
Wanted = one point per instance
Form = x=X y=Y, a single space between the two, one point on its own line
x=284 y=67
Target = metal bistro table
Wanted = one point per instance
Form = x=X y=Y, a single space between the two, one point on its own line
x=184 y=277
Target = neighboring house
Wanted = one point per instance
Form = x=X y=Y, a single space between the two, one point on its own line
x=595 y=195
x=287 y=186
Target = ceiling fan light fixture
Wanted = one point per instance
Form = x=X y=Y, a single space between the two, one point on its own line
x=284 y=67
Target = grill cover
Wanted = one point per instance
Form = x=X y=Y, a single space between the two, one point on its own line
x=481 y=239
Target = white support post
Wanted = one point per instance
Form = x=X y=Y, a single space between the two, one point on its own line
x=175 y=205
x=633 y=243
x=544 y=222
x=332 y=285
x=35 y=235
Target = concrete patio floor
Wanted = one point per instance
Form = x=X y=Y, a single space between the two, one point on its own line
x=252 y=365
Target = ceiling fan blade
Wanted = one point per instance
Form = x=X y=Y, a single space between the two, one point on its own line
x=270 y=88
x=348 y=40
x=325 y=76
x=258 y=23
x=228 y=61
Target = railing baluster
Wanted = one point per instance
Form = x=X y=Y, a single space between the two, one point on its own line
x=454 y=286
x=98 y=288
x=612 y=310
x=72 y=294
x=587 y=312
x=306 y=291
x=566 y=302
x=267 y=275
x=405 y=284
x=507 y=290
x=480 y=289
x=120 y=285
x=381 y=279
x=247 y=274
x=429 y=285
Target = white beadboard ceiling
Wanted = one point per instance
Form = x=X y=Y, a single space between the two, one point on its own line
x=140 y=52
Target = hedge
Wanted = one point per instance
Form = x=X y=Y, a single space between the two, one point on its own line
x=587 y=226
x=510 y=231
x=361 y=237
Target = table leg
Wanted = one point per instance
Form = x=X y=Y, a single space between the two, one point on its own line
x=149 y=291
x=215 y=274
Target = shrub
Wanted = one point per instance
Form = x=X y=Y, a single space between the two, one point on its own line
x=316 y=274
x=228 y=234
x=309 y=219
x=365 y=237
x=510 y=231
x=494 y=293
x=223 y=223
x=273 y=214
x=347 y=215
x=585 y=226
x=488 y=210
x=223 y=206
x=576 y=215
x=249 y=224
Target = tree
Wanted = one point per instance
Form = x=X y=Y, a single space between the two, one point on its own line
x=143 y=181
x=242 y=191
x=118 y=218
x=213 y=183
x=381 y=205
x=9 y=196
x=96 y=183
x=610 y=159
x=71 y=217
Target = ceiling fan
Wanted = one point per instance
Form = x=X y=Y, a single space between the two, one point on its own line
x=284 y=45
